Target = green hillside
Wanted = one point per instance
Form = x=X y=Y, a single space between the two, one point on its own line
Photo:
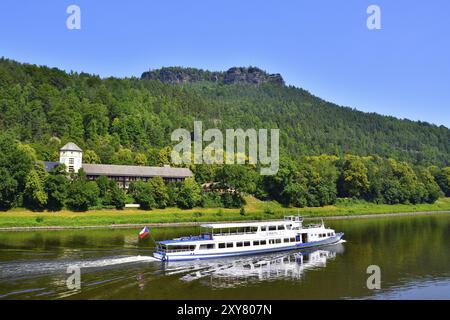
x=327 y=151
x=39 y=103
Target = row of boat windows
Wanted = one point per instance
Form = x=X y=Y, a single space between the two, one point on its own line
x=323 y=235
x=240 y=244
x=251 y=229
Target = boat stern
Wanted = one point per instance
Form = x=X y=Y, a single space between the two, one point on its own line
x=160 y=255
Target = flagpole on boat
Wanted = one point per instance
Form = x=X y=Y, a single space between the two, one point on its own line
x=154 y=241
x=150 y=234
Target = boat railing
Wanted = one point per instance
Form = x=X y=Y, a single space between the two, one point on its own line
x=204 y=236
x=233 y=233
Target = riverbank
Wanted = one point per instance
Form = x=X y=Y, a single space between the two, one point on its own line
x=20 y=219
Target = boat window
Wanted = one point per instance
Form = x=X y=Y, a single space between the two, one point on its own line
x=256 y=243
x=221 y=245
x=264 y=228
x=239 y=244
x=230 y=245
x=207 y=246
x=272 y=228
x=263 y=242
x=246 y=243
x=281 y=227
x=289 y=226
x=271 y=241
x=278 y=240
x=176 y=248
x=286 y=240
x=292 y=239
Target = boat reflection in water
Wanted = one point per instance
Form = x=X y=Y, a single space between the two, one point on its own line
x=233 y=272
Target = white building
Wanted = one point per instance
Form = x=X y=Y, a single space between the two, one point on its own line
x=71 y=156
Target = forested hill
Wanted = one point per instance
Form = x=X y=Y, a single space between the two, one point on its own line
x=48 y=107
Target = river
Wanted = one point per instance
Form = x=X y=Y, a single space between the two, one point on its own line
x=412 y=253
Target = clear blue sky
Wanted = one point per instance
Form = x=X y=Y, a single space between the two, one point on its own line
x=323 y=46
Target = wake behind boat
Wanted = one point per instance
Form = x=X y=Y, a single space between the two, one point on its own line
x=243 y=238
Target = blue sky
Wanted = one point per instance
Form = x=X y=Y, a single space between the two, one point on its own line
x=323 y=46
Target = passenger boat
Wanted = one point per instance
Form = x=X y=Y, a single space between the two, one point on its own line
x=244 y=238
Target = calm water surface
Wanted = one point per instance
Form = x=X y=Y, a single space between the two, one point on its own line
x=412 y=252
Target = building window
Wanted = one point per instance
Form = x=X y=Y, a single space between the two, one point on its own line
x=71 y=161
x=71 y=169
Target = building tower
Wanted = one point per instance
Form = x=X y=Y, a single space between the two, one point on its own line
x=71 y=155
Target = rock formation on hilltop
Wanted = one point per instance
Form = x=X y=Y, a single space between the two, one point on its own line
x=241 y=75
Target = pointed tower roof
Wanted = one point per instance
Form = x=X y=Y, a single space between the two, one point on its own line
x=70 y=147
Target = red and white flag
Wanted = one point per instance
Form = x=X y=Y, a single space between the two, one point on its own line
x=144 y=232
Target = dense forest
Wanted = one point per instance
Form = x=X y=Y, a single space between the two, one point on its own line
x=327 y=151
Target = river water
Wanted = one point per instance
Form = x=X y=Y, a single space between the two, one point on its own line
x=412 y=253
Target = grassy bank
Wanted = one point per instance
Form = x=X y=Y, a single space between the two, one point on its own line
x=254 y=210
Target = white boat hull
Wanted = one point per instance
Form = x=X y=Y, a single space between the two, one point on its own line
x=184 y=256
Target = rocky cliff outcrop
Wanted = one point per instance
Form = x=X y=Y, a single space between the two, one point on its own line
x=241 y=75
x=251 y=75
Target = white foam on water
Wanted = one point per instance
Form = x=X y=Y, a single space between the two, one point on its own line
x=115 y=261
x=39 y=267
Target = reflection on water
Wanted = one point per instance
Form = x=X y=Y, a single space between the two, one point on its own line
x=412 y=253
x=232 y=272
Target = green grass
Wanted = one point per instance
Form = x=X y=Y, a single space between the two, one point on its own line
x=254 y=210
